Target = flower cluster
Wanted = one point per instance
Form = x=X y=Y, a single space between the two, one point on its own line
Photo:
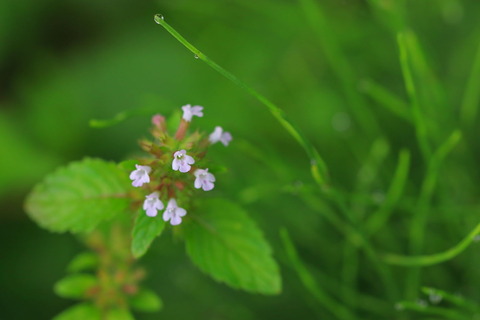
x=181 y=154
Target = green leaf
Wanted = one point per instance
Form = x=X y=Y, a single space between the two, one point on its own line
x=146 y=301
x=75 y=286
x=145 y=230
x=78 y=197
x=81 y=311
x=82 y=262
x=119 y=314
x=226 y=244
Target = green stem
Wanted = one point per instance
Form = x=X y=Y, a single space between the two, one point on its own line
x=471 y=97
x=427 y=260
x=417 y=113
x=419 y=221
x=317 y=165
x=337 y=309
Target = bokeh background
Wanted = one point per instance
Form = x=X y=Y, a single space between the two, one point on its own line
x=63 y=63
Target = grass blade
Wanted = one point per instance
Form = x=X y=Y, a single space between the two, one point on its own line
x=317 y=165
x=386 y=99
x=471 y=98
x=380 y=217
x=417 y=114
x=337 y=309
x=428 y=260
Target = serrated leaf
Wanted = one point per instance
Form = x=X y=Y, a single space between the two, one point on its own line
x=146 y=301
x=82 y=262
x=81 y=311
x=145 y=230
x=226 y=244
x=75 y=286
x=78 y=197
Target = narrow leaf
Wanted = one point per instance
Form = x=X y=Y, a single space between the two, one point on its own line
x=81 y=311
x=146 y=229
x=226 y=244
x=78 y=197
x=119 y=314
x=82 y=262
x=146 y=301
x=75 y=286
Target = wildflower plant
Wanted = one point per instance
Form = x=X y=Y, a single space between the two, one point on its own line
x=118 y=210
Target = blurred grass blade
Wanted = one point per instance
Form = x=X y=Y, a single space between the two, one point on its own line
x=471 y=98
x=444 y=313
x=122 y=116
x=452 y=298
x=386 y=99
x=337 y=309
x=417 y=114
x=390 y=13
x=427 y=260
x=432 y=93
x=427 y=190
x=419 y=220
x=340 y=66
x=317 y=165
x=380 y=217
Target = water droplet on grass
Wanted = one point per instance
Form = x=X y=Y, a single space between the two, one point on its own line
x=434 y=298
x=157 y=18
x=196 y=57
x=422 y=303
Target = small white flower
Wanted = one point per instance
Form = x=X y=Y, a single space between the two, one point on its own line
x=182 y=161
x=189 y=112
x=174 y=213
x=152 y=204
x=140 y=175
x=204 y=179
x=219 y=135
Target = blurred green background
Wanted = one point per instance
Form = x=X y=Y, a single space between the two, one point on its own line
x=63 y=63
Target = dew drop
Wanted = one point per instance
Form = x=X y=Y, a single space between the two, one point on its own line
x=157 y=18
x=434 y=297
x=422 y=303
x=196 y=57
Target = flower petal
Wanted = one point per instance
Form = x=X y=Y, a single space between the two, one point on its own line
x=189 y=159
x=176 y=220
x=151 y=212
x=198 y=183
x=180 y=212
x=167 y=215
x=207 y=186
x=184 y=168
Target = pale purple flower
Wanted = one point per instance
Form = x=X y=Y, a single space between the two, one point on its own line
x=174 y=213
x=152 y=204
x=189 y=112
x=181 y=161
x=204 y=179
x=219 y=135
x=140 y=175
